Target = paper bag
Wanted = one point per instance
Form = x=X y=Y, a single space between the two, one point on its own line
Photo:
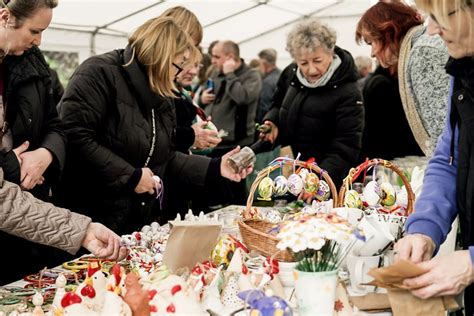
x=371 y=302
x=189 y=243
x=401 y=300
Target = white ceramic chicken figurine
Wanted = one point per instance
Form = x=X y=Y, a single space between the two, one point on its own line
x=92 y=290
x=115 y=289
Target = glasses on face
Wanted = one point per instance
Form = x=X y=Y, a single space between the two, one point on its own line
x=180 y=69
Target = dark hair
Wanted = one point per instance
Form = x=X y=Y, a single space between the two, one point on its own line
x=25 y=9
x=206 y=63
x=269 y=55
x=387 y=23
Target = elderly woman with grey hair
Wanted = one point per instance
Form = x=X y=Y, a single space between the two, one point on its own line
x=317 y=108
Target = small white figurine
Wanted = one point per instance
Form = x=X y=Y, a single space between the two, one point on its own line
x=60 y=291
x=38 y=302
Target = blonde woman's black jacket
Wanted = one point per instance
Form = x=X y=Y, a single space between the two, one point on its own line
x=324 y=122
x=107 y=112
x=32 y=114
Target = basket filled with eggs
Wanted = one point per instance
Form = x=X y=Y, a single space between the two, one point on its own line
x=311 y=188
x=377 y=198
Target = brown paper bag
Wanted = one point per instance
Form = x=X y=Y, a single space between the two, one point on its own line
x=401 y=300
x=190 y=243
x=371 y=302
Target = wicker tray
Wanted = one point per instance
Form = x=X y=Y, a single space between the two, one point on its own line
x=355 y=172
x=254 y=232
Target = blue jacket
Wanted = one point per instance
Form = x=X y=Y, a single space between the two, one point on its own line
x=435 y=208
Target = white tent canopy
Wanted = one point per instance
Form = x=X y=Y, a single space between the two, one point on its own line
x=96 y=26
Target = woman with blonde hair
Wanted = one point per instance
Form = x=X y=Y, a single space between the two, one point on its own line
x=448 y=189
x=120 y=122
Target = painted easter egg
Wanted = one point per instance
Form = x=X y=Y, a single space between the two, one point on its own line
x=324 y=192
x=371 y=193
x=352 y=199
x=311 y=183
x=280 y=186
x=295 y=184
x=389 y=196
x=265 y=189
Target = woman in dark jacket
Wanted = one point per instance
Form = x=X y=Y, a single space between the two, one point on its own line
x=120 y=122
x=32 y=141
x=317 y=108
x=387 y=133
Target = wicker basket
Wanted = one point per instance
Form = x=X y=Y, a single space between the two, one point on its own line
x=355 y=172
x=254 y=232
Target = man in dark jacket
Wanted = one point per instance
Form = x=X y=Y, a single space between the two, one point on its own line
x=233 y=107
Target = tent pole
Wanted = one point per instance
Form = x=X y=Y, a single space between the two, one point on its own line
x=291 y=22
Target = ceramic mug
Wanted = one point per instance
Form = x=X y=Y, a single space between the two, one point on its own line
x=358 y=267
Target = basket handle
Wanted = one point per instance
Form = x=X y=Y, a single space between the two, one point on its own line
x=266 y=171
x=354 y=173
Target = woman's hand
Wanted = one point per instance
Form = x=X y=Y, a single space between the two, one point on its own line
x=226 y=170
x=272 y=135
x=147 y=183
x=445 y=275
x=103 y=243
x=204 y=138
x=33 y=165
x=415 y=248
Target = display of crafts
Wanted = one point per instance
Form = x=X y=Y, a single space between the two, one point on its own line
x=303 y=182
x=380 y=196
x=319 y=242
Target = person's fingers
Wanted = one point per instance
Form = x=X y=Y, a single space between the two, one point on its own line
x=428 y=291
x=22 y=148
x=27 y=182
x=123 y=252
x=116 y=248
x=108 y=247
x=417 y=252
x=403 y=250
x=420 y=281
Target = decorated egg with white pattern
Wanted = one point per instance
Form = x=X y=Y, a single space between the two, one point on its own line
x=372 y=193
x=295 y=184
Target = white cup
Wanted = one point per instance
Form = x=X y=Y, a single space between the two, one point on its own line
x=358 y=267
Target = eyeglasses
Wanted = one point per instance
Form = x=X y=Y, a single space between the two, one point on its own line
x=180 y=69
x=433 y=18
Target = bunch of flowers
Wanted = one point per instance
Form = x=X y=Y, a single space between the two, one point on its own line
x=320 y=242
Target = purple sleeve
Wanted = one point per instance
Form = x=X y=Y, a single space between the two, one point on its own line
x=471 y=252
x=435 y=208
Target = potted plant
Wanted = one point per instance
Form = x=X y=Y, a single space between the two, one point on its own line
x=319 y=243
